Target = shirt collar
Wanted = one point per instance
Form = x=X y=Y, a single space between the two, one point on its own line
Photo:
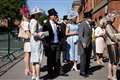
x=52 y=22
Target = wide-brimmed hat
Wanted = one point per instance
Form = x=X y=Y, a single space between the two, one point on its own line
x=111 y=17
x=65 y=17
x=52 y=12
x=103 y=21
x=36 y=11
x=72 y=14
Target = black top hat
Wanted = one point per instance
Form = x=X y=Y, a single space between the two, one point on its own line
x=88 y=14
x=65 y=17
x=52 y=12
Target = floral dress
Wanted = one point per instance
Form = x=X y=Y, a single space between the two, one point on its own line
x=36 y=46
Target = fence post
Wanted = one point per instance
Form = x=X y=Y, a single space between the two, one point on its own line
x=9 y=44
x=9 y=41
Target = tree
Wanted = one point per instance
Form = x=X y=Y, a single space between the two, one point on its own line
x=42 y=18
x=10 y=8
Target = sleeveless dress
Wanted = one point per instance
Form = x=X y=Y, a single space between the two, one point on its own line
x=72 y=43
x=25 y=27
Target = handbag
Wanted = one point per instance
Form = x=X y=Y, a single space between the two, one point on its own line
x=22 y=34
x=37 y=37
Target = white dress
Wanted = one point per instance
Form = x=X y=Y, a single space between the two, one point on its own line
x=36 y=46
x=25 y=27
x=118 y=28
x=99 y=41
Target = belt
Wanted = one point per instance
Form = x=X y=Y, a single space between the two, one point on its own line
x=55 y=43
x=99 y=36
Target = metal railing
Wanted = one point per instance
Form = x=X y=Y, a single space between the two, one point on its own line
x=9 y=44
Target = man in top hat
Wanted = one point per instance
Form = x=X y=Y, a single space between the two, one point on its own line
x=85 y=46
x=52 y=47
x=63 y=35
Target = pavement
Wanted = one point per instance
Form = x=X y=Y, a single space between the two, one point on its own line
x=16 y=72
x=15 y=69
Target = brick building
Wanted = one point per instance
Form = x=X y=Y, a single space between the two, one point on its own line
x=108 y=6
x=100 y=8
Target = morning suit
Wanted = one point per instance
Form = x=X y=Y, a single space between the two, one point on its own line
x=52 y=49
x=85 y=37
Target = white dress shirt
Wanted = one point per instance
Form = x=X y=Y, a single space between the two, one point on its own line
x=54 y=28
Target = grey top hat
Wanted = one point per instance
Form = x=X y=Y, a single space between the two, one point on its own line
x=111 y=16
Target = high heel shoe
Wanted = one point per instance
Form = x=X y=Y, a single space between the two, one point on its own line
x=27 y=72
x=33 y=77
x=74 y=68
x=109 y=78
x=114 y=78
x=98 y=62
x=37 y=78
x=101 y=62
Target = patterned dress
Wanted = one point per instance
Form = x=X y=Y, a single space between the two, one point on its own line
x=25 y=27
x=36 y=46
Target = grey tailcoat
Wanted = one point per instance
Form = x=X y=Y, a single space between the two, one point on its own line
x=84 y=47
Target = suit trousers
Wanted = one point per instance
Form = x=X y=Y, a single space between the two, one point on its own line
x=53 y=59
x=85 y=55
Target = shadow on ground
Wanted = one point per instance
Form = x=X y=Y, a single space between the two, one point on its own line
x=65 y=68
x=118 y=74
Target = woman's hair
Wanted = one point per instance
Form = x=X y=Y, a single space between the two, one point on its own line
x=24 y=10
x=100 y=17
x=32 y=16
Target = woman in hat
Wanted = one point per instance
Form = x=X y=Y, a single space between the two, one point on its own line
x=72 y=38
x=112 y=45
x=24 y=26
x=100 y=40
x=36 y=43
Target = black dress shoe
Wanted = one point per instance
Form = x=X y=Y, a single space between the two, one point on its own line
x=50 y=76
x=90 y=72
x=84 y=74
x=61 y=73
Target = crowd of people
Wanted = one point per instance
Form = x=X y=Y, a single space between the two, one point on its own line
x=71 y=39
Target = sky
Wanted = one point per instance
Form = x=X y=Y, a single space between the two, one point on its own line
x=61 y=6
